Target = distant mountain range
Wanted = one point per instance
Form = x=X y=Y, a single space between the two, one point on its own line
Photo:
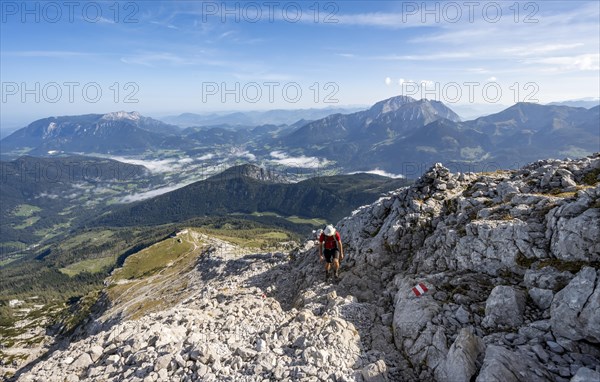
x=255 y=118
x=588 y=102
x=399 y=135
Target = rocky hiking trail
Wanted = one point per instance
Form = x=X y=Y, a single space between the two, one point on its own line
x=510 y=258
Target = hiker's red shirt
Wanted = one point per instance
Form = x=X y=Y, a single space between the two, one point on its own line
x=330 y=241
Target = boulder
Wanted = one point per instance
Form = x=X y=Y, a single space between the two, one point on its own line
x=503 y=365
x=541 y=297
x=461 y=362
x=504 y=307
x=586 y=375
x=375 y=372
x=575 y=310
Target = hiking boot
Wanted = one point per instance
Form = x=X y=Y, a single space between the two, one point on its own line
x=326 y=275
x=337 y=275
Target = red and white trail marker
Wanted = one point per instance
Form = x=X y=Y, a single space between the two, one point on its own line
x=419 y=289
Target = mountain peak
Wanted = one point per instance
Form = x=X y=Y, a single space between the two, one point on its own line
x=120 y=115
x=391 y=104
x=251 y=171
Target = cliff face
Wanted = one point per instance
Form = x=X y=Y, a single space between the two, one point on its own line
x=510 y=260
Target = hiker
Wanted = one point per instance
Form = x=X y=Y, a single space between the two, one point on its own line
x=332 y=251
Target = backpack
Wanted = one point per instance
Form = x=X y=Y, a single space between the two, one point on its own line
x=330 y=239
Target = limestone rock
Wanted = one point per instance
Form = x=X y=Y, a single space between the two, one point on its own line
x=461 y=362
x=82 y=362
x=502 y=365
x=586 y=375
x=541 y=297
x=575 y=311
x=375 y=372
x=505 y=307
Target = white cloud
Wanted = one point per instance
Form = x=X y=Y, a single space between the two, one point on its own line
x=478 y=70
x=388 y=81
x=150 y=194
x=492 y=79
x=299 y=161
x=156 y=166
x=238 y=153
x=377 y=171
x=278 y=155
x=583 y=62
x=532 y=50
x=390 y=20
x=46 y=195
x=226 y=34
x=157 y=58
x=423 y=57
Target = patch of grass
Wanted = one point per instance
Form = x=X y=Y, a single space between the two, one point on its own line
x=9 y=260
x=74 y=315
x=152 y=259
x=591 y=178
x=299 y=220
x=274 y=235
x=26 y=210
x=143 y=308
x=497 y=172
x=90 y=266
x=560 y=194
x=267 y=213
x=472 y=215
x=95 y=237
x=505 y=216
x=524 y=261
x=28 y=222
x=152 y=273
x=55 y=230
x=569 y=266
x=294 y=219
x=259 y=238
x=451 y=205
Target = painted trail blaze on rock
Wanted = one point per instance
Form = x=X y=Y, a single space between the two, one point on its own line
x=419 y=289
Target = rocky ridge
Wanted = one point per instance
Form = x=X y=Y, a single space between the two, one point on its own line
x=510 y=258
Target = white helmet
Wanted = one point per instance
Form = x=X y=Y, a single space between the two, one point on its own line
x=329 y=230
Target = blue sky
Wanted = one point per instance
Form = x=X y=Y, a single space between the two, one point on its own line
x=169 y=57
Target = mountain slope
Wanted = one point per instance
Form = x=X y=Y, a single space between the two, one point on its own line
x=386 y=119
x=45 y=197
x=526 y=132
x=511 y=278
x=119 y=132
x=529 y=117
x=403 y=135
x=455 y=142
x=249 y=189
